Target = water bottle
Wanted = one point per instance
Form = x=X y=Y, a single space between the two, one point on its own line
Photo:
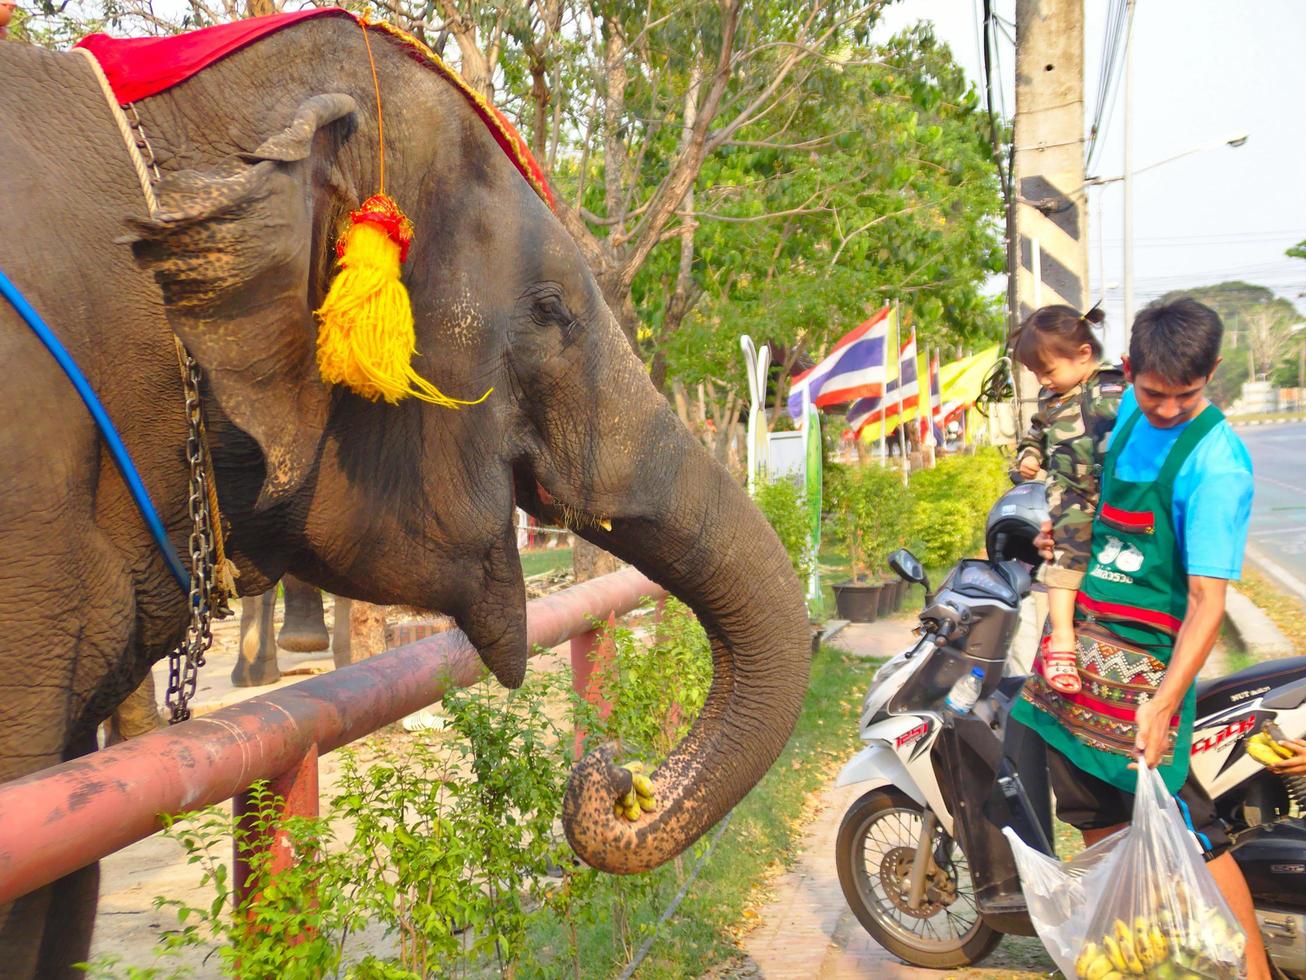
x=966 y=691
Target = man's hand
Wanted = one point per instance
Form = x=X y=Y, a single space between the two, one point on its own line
x=1043 y=542
x=1029 y=467
x=1295 y=766
x=1153 y=720
x=1196 y=636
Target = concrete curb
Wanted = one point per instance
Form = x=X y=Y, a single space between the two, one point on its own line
x=1242 y=424
x=1254 y=628
x=1283 y=578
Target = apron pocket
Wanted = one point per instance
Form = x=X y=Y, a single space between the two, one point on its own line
x=1129 y=521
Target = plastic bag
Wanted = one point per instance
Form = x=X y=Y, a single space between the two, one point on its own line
x=1140 y=903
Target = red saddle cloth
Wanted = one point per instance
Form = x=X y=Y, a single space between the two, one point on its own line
x=138 y=67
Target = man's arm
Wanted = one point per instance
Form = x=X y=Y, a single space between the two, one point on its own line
x=1192 y=646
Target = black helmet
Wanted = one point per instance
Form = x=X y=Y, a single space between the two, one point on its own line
x=1015 y=521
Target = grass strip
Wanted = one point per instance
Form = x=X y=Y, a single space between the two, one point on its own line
x=1285 y=611
x=541 y=560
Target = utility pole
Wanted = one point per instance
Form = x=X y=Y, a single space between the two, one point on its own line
x=1048 y=167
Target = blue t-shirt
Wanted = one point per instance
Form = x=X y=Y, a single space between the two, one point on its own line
x=1212 y=492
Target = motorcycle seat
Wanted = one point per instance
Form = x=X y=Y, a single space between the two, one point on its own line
x=1225 y=692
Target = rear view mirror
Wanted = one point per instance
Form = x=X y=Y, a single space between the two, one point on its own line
x=908 y=567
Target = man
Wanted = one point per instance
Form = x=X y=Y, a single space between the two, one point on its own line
x=1167 y=538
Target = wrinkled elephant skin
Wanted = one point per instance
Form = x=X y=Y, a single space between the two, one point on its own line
x=262 y=157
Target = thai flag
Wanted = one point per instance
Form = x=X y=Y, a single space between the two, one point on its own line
x=867 y=410
x=853 y=369
x=864 y=411
x=952 y=411
x=909 y=386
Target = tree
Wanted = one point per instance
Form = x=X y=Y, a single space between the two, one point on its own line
x=882 y=189
x=1258 y=338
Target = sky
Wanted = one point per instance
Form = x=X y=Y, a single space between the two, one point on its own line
x=1203 y=71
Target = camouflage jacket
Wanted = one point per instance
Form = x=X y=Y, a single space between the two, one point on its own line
x=1068 y=436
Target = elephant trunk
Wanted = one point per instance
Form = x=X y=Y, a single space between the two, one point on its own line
x=712 y=548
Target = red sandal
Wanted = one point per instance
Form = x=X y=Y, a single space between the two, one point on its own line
x=1060 y=668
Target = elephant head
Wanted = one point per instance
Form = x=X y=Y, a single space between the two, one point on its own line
x=412 y=503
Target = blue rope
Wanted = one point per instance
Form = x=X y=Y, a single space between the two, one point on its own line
x=119 y=451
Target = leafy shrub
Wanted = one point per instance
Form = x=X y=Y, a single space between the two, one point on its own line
x=782 y=505
x=655 y=690
x=871 y=510
x=950 y=503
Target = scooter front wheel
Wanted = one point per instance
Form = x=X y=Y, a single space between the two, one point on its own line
x=875 y=852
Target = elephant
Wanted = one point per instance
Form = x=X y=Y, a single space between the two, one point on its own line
x=262 y=156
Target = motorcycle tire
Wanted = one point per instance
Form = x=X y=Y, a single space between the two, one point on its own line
x=876 y=807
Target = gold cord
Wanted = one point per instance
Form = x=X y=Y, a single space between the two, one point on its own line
x=376 y=87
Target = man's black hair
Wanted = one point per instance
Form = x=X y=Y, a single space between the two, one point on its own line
x=1177 y=341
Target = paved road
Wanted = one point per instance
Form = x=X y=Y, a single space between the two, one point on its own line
x=1277 y=539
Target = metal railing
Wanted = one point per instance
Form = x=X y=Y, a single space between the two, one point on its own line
x=63 y=818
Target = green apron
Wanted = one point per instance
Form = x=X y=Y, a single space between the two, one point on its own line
x=1127 y=613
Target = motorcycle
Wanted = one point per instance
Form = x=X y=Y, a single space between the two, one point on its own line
x=921 y=856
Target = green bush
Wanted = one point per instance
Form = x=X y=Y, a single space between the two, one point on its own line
x=656 y=690
x=949 y=504
x=871 y=510
x=782 y=505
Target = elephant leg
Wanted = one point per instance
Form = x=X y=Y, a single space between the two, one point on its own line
x=256 y=663
x=137 y=716
x=73 y=900
x=70 y=923
x=44 y=932
x=304 y=629
x=22 y=922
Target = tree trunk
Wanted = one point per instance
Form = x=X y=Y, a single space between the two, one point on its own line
x=684 y=295
x=358 y=633
x=590 y=561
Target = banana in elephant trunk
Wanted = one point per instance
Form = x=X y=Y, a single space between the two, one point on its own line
x=711 y=548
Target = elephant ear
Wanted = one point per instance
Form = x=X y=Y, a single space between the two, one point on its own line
x=232 y=249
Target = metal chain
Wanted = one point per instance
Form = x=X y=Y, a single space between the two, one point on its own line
x=186 y=660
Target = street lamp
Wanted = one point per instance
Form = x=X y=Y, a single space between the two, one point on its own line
x=1234 y=141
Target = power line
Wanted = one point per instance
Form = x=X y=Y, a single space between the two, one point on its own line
x=1115 y=43
x=979 y=48
x=1235 y=244
x=1267 y=234
x=997 y=61
x=990 y=54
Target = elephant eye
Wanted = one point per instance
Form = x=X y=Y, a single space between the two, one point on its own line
x=548 y=309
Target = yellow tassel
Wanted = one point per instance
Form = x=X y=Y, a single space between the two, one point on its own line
x=365 y=338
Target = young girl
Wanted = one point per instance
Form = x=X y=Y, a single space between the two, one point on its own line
x=1067 y=439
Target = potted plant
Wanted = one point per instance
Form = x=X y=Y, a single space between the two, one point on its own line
x=869 y=505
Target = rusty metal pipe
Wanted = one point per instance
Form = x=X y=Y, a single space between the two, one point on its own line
x=63 y=818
